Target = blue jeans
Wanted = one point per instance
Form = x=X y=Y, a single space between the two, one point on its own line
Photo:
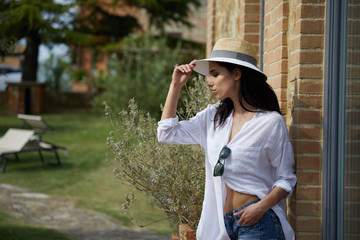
x=268 y=227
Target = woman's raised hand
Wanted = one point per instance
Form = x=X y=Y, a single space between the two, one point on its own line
x=182 y=73
x=180 y=76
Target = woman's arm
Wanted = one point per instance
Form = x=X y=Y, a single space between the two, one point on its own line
x=180 y=76
x=254 y=212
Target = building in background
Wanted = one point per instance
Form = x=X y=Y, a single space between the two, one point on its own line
x=310 y=51
x=13 y=60
x=91 y=61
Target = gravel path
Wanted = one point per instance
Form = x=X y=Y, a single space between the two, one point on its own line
x=62 y=215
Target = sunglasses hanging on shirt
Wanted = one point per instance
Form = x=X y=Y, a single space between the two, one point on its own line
x=219 y=167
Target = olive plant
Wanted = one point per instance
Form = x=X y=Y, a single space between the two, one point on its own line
x=173 y=175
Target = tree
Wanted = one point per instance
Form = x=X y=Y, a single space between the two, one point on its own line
x=37 y=21
x=162 y=12
x=48 y=22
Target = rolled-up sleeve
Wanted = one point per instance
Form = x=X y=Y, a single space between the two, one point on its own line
x=286 y=178
x=192 y=131
x=164 y=130
x=282 y=160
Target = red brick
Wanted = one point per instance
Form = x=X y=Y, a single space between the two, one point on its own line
x=353 y=41
x=277 y=81
x=312 y=11
x=252 y=8
x=252 y=38
x=281 y=94
x=308 y=178
x=274 y=43
x=273 y=29
x=312 y=27
x=294 y=72
x=276 y=68
x=252 y=28
x=283 y=107
x=310 y=209
x=308 y=224
x=308 y=193
x=308 y=162
x=311 y=71
x=294 y=59
x=307 y=117
x=306 y=132
x=311 y=57
x=270 y=5
x=353 y=28
x=252 y=2
x=353 y=101
x=353 y=162
x=280 y=52
x=313 y=2
x=252 y=18
x=312 y=41
x=307 y=236
x=308 y=87
x=313 y=101
x=312 y=147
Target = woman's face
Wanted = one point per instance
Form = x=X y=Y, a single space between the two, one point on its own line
x=223 y=83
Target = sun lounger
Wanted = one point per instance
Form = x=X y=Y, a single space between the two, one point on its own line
x=13 y=142
x=28 y=140
x=40 y=126
x=37 y=123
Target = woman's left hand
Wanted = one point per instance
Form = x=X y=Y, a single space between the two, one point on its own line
x=250 y=214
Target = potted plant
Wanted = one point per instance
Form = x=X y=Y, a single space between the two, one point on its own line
x=80 y=80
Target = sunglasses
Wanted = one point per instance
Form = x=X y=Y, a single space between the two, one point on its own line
x=219 y=167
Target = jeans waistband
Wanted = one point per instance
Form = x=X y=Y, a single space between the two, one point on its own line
x=241 y=208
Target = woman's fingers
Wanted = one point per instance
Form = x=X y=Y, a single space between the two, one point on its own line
x=193 y=62
x=239 y=213
x=182 y=73
x=185 y=68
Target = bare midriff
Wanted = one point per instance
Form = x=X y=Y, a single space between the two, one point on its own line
x=235 y=200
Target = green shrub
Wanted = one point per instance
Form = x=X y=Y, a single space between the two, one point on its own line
x=55 y=72
x=173 y=175
x=141 y=69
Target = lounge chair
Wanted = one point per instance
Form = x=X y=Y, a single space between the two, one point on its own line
x=37 y=123
x=40 y=126
x=13 y=142
x=24 y=140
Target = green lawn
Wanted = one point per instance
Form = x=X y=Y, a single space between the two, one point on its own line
x=85 y=174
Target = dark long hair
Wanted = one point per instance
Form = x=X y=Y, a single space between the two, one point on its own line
x=254 y=90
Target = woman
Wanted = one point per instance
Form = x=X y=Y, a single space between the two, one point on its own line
x=249 y=159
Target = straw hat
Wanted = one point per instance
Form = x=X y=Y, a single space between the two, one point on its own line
x=230 y=50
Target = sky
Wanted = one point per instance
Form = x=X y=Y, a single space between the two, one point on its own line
x=58 y=50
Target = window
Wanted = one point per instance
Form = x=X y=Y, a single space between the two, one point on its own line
x=341 y=160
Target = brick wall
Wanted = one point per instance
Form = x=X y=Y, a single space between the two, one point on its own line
x=352 y=125
x=306 y=79
x=230 y=18
x=276 y=48
x=293 y=61
x=27 y=97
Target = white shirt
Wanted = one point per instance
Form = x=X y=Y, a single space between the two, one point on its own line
x=261 y=158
